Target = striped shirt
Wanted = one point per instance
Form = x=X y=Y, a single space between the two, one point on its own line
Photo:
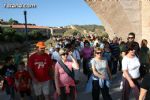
x=115 y=50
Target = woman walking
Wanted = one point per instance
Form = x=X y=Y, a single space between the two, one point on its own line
x=131 y=74
x=101 y=76
x=64 y=76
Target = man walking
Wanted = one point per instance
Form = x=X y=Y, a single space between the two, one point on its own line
x=40 y=66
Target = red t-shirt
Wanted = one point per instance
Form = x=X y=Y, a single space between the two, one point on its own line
x=23 y=78
x=40 y=65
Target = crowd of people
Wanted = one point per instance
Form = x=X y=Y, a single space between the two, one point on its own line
x=55 y=73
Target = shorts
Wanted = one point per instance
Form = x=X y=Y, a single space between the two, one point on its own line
x=42 y=88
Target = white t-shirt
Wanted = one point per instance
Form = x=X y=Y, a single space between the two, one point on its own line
x=55 y=55
x=132 y=65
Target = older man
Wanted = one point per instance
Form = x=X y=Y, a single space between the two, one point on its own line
x=40 y=66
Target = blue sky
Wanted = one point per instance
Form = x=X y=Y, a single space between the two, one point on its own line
x=51 y=12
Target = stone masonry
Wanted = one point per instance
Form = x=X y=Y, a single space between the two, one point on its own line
x=120 y=17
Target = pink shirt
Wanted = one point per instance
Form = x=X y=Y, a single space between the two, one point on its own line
x=63 y=78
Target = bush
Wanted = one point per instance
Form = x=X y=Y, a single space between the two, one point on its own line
x=8 y=33
x=71 y=32
x=18 y=38
x=36 y=35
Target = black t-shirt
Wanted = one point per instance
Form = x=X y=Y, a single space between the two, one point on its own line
x=8 y=70
x=146 y=85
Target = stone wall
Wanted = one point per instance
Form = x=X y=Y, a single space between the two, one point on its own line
x=123 y=16
x=146 y=20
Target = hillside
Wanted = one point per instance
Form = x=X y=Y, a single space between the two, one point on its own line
x=89 y=28
x=86 y=29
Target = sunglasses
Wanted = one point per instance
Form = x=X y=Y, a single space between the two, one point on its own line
x=130 y=37
x=64 y=54
x=132 y=49
x=98 y=52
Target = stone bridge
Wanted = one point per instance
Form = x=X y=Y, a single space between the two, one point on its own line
x=123 y=16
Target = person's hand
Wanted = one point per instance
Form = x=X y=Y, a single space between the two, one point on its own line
x=132 y=85
x=58 y=91
x=102 y=77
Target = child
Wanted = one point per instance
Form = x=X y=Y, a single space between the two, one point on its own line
x=8 y=72
x=1 y=78
x=23 y=80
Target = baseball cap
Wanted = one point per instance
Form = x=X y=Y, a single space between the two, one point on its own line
x=40 y=44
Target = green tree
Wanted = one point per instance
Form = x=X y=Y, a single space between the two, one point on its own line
x=1 y=34
x=105 y=34
x=8 y=34
x=18 y=38
x=35 y=34
x=90 y=28
x=71 y=32
x=12 y=21
x=1 y=30
x=75 y=33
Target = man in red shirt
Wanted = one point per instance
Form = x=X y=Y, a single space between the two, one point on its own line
x=40 y=66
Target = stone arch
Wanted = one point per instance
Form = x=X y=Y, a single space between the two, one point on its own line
x=123 y=16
